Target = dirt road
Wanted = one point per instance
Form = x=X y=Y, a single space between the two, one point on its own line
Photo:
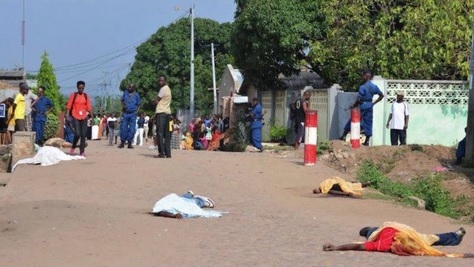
x=95 y=212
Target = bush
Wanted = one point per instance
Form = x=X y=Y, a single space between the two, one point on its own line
x=428 y=188
x=437 y=198
x=51 y=127
x=323 y=146
x=277 y=132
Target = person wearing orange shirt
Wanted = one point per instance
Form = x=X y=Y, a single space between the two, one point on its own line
x=77 y=108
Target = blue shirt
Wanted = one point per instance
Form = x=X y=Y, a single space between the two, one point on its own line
x=257 y=112
x=132 y=102
x=366 y=94
x=42 y=105
x=141 y=122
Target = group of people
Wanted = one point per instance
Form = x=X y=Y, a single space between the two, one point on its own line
x=201 y=133
x=27 y=112
x=131 y=127
x=397 y=121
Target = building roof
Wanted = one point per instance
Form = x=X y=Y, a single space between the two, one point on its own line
x=13 y=78
x=303 y=79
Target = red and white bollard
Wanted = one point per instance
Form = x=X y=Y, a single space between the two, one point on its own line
x=310 y=137
x=355 y=128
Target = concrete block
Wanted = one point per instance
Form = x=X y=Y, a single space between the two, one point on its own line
x=420 y=203
x=23 y=145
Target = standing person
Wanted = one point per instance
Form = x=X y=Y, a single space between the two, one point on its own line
x=112 y=126
x=90 y=123
x=95 y=128
x=146 y=128
x=78 y=109
x=162 y=118
x=19 y=108
x=68 y=130
x=398 y=121
x=364 y=101
x=41 y=107
x=256 y=124
x=301 y=107
x=461 y=150
x=105 y=129
x=175 y=134
x=29 y=98
x=139 y=132
x=10 y=121
x=130 y=105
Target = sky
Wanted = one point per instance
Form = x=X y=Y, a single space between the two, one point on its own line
x=91 y=40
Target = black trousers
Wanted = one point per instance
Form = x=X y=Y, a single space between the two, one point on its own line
x=80 y=132
x=398 y=135
x=163 y=134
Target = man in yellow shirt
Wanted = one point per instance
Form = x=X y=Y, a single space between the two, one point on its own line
x=19 y=107
x=162 y=119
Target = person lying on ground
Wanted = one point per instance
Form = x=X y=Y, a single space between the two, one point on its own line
x=403 y=240
x=339 y=186
x=187 y=205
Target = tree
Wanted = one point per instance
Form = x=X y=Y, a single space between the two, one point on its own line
x=167 y=53
x=269 y=39
x=108 y=104
x=416 y=39
x=47 y=78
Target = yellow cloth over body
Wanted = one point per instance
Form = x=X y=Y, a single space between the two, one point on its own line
x=347 y=187
x=409 y=242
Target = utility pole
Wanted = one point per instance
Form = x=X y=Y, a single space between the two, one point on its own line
x=191 y=94
x=214 y=79
x=104 y=85
x=470 y=109
x=23 y=38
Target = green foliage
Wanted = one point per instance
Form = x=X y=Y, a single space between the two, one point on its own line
x=268 y=39
x=167 y=53
x=323 y=146
x=47 y=78
x=418 y=39
x=51 y=127
x=109 y=104
x=437 y=198
x=277 y=132
x=429 y=188
x=31 y=76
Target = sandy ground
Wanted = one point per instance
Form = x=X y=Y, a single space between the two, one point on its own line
x=95 y=212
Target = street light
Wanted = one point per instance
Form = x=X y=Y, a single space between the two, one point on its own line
x=214 y=78
x=191 y=82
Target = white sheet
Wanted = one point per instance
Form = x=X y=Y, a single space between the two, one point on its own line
x=176 y=204
x=47 y=156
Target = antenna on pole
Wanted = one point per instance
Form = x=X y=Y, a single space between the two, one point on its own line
x=191 y=94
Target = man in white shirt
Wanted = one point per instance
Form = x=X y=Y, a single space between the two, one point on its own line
x=398 y=121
